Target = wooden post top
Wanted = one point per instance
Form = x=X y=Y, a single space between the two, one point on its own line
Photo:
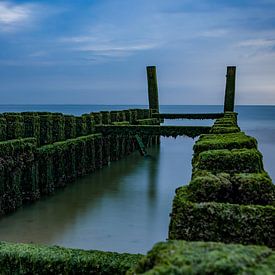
x=229 y=100
x=152 y=88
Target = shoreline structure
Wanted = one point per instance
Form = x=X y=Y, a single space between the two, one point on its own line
x=222 y=222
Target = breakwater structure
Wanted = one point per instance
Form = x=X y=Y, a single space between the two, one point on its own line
x=222 y=222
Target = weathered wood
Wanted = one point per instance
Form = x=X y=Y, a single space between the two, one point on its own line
x=141 y=146
x=152 y=88
x=230 y=89
x=189 y=116
x=156 y=130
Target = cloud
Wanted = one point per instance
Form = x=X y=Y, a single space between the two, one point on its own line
x=105 y=40
x=259 y=50
x=13 y=16
x=10 y=14
x=104 y=37
x=214 y=33
x=257 y=43
x=116 y=49
x=38 y=54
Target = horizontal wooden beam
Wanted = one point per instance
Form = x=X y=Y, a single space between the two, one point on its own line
x=189 y=116
x=154 y=130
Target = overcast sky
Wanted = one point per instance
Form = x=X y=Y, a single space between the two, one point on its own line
x=96 y=52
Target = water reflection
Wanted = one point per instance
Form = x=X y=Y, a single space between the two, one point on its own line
x=124 y=207
x=153 y=176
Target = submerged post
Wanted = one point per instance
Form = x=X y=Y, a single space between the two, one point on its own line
x=230 y=89
x=153 y=89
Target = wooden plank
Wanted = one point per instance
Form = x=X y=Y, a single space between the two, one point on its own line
x=141 y=146
x=154 y=130
x=189 y=116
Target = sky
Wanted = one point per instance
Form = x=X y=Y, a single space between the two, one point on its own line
x=96 y=52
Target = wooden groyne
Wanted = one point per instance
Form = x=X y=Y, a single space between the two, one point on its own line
x=230 y=197
x=222 y=222
x=46 y=151
x=49 y=127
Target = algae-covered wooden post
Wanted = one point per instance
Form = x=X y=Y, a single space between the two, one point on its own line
x=230 y=89
x=153 y=89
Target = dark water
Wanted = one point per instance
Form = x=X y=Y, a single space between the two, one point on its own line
x=125 y=207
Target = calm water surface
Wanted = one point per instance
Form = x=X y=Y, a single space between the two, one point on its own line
x=125 y=207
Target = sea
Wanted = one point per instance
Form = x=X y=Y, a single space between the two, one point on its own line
x=125 y=207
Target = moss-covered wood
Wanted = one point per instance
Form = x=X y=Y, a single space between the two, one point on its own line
x=153 y=130
x=32 y=126
x=99 y=152
x=224 y=141
x=58 y=127
x=221 y=222
x=106 y=150
x=69 y=157
x=147 y=121
x=226 y=124
x=120 y=123
x=81 y=126
x=70 y=127
x=129 y=116
x=50 y=127
x=188 y=116
x=224 y=130
x=15 y=126
x=26 y=174
x=90 y=123
x=122 y=115
x=97 y=116
x=114 y=116
x=62 y=162
x=44 y=156
x=3 y=129
x=39 y=259
x=134 y=115
x=243 y=188
x=230 y=197
x=142 y=113
x=230 y=161
x=106 y=118
x=46 y=129
x=29 y=177
x=180 y=257
x=18 y=174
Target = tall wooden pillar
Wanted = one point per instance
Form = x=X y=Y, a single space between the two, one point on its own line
x=230 y=89
x=153 y=89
